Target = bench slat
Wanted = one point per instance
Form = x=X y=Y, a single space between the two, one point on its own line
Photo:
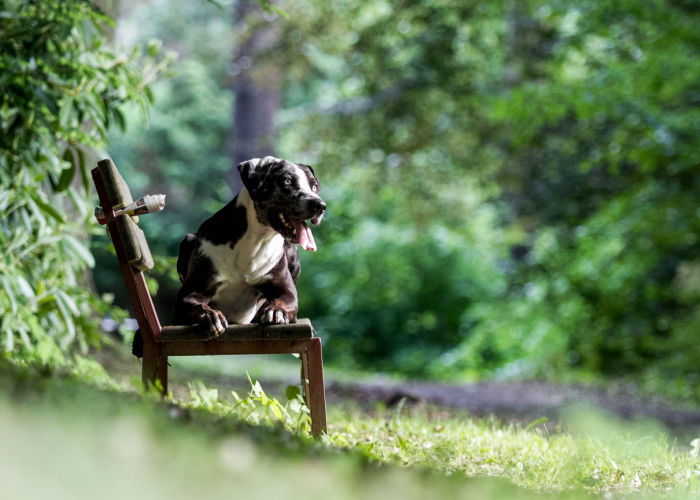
x=302 y=329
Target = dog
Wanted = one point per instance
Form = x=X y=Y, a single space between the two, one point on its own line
x=242 y=265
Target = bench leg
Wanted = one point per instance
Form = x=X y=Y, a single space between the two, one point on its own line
x=162 y=374
x=155 y=367
x=314 y=389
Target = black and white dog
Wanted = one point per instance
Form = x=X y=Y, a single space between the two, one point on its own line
x=243 y=264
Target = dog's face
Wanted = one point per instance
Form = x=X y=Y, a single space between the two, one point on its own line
x=285 y=195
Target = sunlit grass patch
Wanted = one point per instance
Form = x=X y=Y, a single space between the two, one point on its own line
x=591 y=451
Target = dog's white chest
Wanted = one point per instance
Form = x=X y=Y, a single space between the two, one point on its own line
x=240 y=269
x=249 y=261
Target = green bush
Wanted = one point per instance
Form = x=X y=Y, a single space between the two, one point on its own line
x=618 y=296
x=387 y=295
x=62 y=87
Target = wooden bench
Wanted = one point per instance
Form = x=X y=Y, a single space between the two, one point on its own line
x=160 y=342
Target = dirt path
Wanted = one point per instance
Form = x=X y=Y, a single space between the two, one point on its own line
x=522 y=401
x=512 y=401
x=518 y=401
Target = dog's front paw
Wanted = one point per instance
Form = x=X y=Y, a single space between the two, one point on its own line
x=274 y=317
x=213 y=321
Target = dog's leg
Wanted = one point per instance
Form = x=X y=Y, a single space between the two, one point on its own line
x=187 y=247
x=194 y=308
x=293 y=264
x=280 y=304
x=193 y=301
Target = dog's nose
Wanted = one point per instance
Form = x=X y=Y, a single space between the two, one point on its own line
x=319 y=205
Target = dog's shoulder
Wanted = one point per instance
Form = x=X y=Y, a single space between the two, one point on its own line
x=226 y=226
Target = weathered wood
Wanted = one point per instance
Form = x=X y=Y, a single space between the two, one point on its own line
x=162 y=373
x=317 y=392
x=214 y=347
x=302 y=329
x=114 y=190
x=141 y=301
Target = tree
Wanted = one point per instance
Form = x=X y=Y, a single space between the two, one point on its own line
x=256 y=85
x=61 y=88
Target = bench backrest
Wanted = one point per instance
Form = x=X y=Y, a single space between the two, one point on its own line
x=130 y=244
x=131 y=236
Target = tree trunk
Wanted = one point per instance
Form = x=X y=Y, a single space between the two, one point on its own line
x=256 y=86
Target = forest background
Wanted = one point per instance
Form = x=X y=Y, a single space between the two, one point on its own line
x=512 y=186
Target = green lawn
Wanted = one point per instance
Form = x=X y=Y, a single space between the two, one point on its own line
x=81 y=437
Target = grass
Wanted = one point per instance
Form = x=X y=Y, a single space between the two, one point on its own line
x=595 y=453
x=81 y=436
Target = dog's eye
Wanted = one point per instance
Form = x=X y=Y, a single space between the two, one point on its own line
x=314 y=188
x=287 y=181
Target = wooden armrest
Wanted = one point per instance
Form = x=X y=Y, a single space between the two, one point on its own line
x=302 y=329
x=133 y=242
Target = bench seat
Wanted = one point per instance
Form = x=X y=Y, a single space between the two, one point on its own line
x=302 y=329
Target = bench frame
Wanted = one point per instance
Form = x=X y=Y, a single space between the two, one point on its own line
x=263 y=339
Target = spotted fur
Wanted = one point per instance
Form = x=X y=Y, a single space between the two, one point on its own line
x=242 y=264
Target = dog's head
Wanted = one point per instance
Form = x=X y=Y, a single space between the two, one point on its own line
x=285 y=195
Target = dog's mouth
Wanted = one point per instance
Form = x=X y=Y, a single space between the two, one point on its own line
x=298 y=231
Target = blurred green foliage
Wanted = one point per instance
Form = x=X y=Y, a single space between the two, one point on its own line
x=60 y=89
x=512 y=186
x=182 y=152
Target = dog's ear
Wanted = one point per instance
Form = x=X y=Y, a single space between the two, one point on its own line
x=309 y=167
x=252 y=175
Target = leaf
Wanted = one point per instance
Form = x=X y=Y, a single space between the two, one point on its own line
x=65 y=178
x=48 y=100
x=37 y=215
x=271 y=8
x=25 y=338
x=292 y=392
x=295 y=405
x=80 y=202
x=68 y=301
x=10 y=294
x=149 y=93
x=276 y=411
x=68 y=173
x=5 y=197
x=24 y=287
x=79 y=250
x=47 y=350
x=66 y=111
x=63 y=308
x=532 y=424
x=9 y=339
x=84 y=173
x=47 y=208
x=119 y=117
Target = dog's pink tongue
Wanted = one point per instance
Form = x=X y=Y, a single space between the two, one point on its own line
x=306 y=239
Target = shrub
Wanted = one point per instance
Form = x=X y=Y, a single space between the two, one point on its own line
x=61 y=89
